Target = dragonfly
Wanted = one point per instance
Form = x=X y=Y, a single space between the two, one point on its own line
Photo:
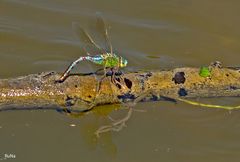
x=110 y=61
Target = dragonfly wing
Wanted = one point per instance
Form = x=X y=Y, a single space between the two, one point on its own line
x=87 y=40
x=85 y=37
x=103 y=28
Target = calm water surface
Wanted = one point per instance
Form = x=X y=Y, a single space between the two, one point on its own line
x=37 y=36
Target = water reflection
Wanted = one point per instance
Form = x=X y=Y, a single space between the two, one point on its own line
x=90 y=122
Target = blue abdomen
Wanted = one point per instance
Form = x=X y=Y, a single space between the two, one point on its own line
x=97 y=59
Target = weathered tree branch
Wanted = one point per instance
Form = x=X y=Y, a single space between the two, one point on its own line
x=79 y=93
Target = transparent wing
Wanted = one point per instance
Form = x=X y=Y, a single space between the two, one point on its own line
x=101 y=25
x=87 y=41
x=85 y=38
x=87 y=44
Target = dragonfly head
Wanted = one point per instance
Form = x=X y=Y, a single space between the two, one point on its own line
x=123 y=62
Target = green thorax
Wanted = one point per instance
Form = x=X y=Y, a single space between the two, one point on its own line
x=111 y=61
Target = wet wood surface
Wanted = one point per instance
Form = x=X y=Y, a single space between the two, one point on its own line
x=77 y=92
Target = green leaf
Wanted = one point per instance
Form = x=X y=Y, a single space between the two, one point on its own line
x=204 y=72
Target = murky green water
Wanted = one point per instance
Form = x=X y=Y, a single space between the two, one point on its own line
x=37 y=36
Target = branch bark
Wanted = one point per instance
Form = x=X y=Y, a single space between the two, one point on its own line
x=79 y=93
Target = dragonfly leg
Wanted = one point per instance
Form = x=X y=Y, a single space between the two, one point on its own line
x=120 y=76
x=116 y=80
x=113 y=76
x=101 y=79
